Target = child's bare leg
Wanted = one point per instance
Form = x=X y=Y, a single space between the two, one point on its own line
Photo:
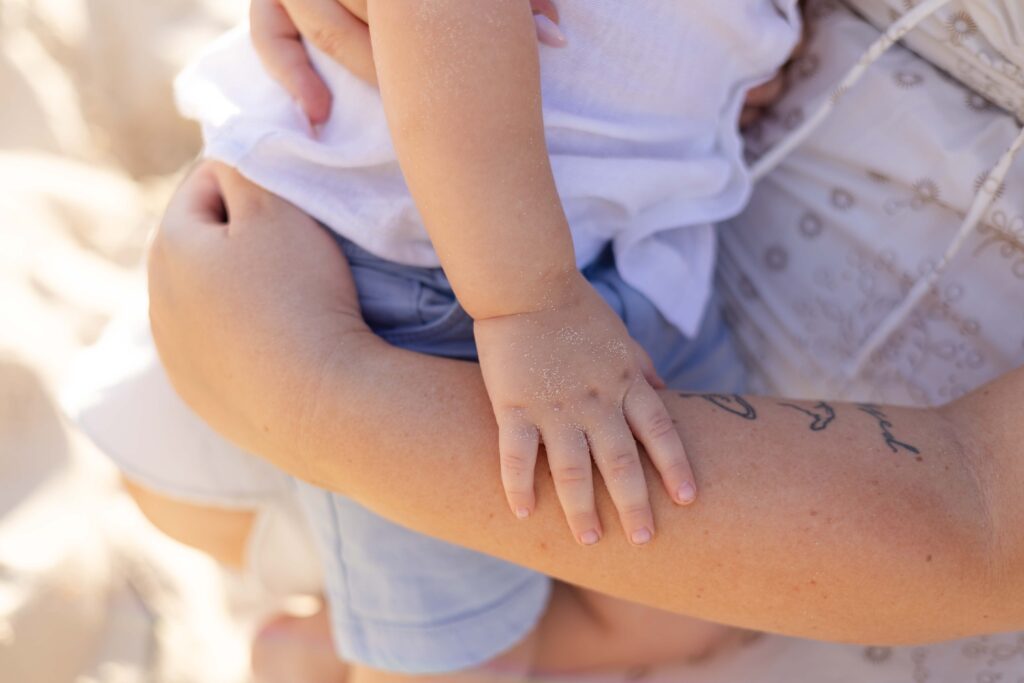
x=587 y=631
x=290 y=649
x=581 y=631
x=218 y=532
x=516 y=664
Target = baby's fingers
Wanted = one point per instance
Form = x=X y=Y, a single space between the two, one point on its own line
x=518 y=441
x=615 y=452
x=653 y=427
x=569 y=460
x=280 y=48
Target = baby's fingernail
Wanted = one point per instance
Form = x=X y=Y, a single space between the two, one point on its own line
x=687 y=494
x=522 y=513
x=548 y=32
x=641 y=536
x=590 y=537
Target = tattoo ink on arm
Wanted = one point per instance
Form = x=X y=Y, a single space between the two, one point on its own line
x=730 y=403
x=894 y=444
x=822 y=414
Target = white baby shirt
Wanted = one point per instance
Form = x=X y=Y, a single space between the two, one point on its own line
x=641 y=115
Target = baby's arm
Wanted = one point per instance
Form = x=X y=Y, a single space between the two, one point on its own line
x=461 y=87
x=460 y=81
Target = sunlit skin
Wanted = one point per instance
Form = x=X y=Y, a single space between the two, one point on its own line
x=882 y=416
x=826 y=534
x=461 y=86
x=296 y=645
x=811 y=527
x=280 y=27
x=460 y=82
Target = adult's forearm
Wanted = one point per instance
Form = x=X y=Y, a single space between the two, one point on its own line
x=817 y=520
x=829 y=521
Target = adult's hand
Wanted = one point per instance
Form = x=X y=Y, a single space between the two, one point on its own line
x=216 y=323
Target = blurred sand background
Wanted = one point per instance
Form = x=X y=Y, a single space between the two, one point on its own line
x=90 y=147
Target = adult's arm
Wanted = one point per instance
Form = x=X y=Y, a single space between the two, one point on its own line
x=828 y=521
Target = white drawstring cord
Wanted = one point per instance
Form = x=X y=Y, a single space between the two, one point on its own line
x=982 y=202
x=900 y=28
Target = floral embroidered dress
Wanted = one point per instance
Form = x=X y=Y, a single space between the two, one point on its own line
x=882 y=258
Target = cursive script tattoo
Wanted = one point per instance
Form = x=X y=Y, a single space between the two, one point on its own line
x=822 y=414
x=894 y=444
x=730 y=403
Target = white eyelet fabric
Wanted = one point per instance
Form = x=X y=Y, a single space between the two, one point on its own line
x=979 y=42
x=883 y=257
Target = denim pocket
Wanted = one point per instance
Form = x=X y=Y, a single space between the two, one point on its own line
x=410 y=306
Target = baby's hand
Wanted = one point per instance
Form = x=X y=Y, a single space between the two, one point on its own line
x=572 y=377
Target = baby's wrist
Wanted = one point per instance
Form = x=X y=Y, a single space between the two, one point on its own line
x=551 y=292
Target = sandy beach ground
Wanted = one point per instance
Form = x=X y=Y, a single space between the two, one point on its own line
x=90 y=147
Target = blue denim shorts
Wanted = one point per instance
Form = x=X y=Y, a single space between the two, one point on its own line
x=404 y=602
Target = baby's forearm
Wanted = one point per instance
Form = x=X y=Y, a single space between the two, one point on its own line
x=461 y=87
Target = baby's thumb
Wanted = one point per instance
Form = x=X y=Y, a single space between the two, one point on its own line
x=279 y=46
